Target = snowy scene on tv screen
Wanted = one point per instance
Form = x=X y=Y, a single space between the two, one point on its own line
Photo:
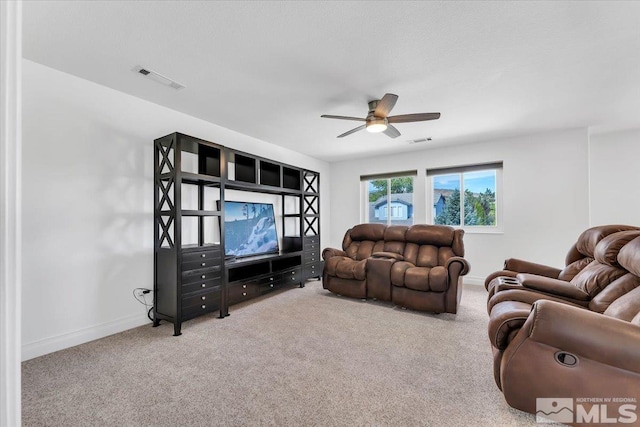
x=249 y=229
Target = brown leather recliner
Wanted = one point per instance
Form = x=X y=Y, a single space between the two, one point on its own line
x=418 y=267
x=581 y=255
x=547 y=346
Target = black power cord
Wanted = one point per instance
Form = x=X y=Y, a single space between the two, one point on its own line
x=143 y=301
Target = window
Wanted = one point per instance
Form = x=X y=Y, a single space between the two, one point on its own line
x=388 y=199
x=466 y=196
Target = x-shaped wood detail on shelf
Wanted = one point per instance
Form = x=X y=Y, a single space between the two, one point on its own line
x=310 y=225
x=164 y=151
x=310 y=181
x=309 y=202
x=165 y=188
x=165 y=231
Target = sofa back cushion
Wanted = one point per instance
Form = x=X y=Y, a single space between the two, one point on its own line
x=627 y=307
x=583 y=251
x=605 y=268
x=432 y=245
x=363 y=240
x=394 y=239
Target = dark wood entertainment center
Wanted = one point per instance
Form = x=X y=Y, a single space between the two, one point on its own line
x=191 y=275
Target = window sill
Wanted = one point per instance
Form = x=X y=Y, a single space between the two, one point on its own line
x=482 y=231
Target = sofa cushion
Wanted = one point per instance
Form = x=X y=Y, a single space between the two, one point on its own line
x=589 y=238
x=607 y=249
x=373 y=232
x=395 y=233
x=596 y=276
x=437 y=235
x=613 y=291
x=629 y=256
x=427 y=256
x=627 y=307
x=361 y=250
x=346 y=268
x=404 y=274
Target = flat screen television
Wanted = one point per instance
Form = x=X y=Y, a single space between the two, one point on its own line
x=249 y=229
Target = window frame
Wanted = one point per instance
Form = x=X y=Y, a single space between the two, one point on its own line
x=364 y=199
x=493 y=166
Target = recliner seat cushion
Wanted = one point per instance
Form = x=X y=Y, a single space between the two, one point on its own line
x=435 y=279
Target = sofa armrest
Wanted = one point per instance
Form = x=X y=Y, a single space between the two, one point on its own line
x=391 y=255
x=552 y=286
x=505 y=321
x=521 y=266
x=585 y=333
x=528 y=296
x=331 y=252
x=462 y=263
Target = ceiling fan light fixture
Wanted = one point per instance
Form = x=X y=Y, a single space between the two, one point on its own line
x=377 y=125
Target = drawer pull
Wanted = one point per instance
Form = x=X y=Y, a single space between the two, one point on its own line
x=204 y=285
x=293 y=272
x=203 y=264
x=204 y=277
x=244 y=286
x=203 y=255
x=203 y=306
x=204 y=298
x=271 y=278
x=271 y=285
x=244 y=294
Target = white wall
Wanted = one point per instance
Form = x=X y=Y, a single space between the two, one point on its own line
x=545 y=195
x=615 y=176
x=88 y=203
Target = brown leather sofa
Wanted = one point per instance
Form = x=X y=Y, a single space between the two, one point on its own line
x=581 y=338
x=418 y=267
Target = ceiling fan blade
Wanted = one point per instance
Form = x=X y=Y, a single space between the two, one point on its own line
x=328 y=116
x=419 y=117
x=352 y=131
x=391 y=131
x=385 y=105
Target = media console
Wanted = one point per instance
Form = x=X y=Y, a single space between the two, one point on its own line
x=253 y=276
x=192 y=178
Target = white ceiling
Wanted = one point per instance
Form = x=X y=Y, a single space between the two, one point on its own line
x=270 y=69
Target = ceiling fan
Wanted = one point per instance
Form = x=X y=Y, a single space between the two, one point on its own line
x=378 y=119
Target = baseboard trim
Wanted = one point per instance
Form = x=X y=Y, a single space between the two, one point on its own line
x=471 y=280
x=81 y=336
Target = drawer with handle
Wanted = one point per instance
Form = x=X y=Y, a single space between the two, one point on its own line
x=201 y=275
x=242 y=291
x=313 y=270
x=312 y=256
x=311 y=240
x=209 y=297
x=201 y=285
x=204 y=255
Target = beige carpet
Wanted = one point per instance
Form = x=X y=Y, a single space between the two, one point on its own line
x=299 y=357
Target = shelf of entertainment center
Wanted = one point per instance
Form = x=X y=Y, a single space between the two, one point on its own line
x=193 y=178
x=260 y=188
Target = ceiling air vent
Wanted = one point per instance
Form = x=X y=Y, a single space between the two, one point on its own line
x=419 y=140
x=157 y=77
